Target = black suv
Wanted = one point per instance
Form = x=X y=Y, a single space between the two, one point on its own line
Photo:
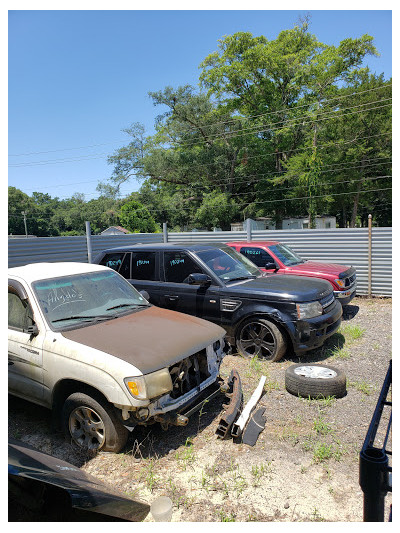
x=262 y=315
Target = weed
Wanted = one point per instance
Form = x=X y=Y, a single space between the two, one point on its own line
x=322 y=452
x=339 y=353
x=255 y=367
x=327 y=401
x=225 y=517
x=150 y=477
x=362 y=386
x=186 y=456
x=259 y=471
x=321 y=427
x=316 y=517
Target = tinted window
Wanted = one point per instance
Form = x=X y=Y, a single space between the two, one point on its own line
x=258 y=256
x=144 y=265
x=113 y=261
x=286 y=255
x=120 y=262
x=19 y=312
x=178 y=266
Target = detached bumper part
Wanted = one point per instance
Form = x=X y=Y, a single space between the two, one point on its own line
x=233 y=409
x=254 y=427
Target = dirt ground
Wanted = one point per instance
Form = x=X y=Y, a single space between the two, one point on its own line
x=304 y=466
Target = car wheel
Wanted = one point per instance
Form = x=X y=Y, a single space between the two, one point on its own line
x=92 y=424
x=315 y=381
x=258 y=337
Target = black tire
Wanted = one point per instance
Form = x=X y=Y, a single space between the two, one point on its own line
x=315 y=381
x=92 y=423
x=258 y=337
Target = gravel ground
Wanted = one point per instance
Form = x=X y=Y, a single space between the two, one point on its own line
x=304 y=466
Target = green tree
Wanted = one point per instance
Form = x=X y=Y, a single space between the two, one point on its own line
x=136 y=218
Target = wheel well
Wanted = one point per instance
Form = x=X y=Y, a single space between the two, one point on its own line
x=271 y=319
x=66 y=387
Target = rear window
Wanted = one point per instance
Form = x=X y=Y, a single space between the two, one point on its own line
x=144 y=265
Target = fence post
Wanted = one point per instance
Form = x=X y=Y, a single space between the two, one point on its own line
x=165 y=231
x=248 y=229
x=369 y=256
x=88 y=242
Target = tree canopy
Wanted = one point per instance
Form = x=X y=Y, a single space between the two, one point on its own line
x=276 y=128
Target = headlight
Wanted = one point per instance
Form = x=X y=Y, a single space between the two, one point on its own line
x=341 y=283
x=150 y=385
x=309 y=310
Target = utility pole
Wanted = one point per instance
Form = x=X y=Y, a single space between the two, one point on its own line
x=26 y=230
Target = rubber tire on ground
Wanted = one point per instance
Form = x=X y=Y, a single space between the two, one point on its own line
x=308 y=387
x=116 y=434
x=280 y=341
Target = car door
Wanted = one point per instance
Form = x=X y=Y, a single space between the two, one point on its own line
x=178 y=294
x=25 y=345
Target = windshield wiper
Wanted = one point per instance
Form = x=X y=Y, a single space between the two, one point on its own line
x=126 y=305
x=242 y=277
x=88 y=318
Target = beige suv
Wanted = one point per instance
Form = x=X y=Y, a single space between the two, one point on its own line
x=85 y=343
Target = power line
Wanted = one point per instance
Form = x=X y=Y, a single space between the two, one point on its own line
x=353 y=93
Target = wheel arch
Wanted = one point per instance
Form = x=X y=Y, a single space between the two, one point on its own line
x=65 y=388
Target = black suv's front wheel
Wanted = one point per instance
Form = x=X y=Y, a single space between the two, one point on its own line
x=258 y=337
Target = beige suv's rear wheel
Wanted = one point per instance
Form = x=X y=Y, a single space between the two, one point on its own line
x=92 y=424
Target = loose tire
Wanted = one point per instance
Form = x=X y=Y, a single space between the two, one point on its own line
x=92 y=423
x=315 y=381
x=258 y=337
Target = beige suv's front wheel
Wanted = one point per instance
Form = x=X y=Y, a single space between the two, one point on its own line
x=92 y=423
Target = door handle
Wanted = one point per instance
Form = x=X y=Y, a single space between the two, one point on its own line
x=10 y=363
x=172 y=298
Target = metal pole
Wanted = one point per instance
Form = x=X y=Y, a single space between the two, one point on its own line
x=369 y=256
x=248 y=229
x=88 y=242
x=165 y=232
x=26 y=229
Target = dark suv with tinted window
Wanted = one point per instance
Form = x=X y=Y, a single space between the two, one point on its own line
x=262 y=315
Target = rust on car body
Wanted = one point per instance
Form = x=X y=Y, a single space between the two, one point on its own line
x=149 y=331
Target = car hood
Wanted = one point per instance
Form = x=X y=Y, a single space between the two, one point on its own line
x=149 y=339
x=313 y=267
x=282 y=288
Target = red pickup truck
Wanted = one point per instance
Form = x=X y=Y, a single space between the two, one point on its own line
x=277 y=258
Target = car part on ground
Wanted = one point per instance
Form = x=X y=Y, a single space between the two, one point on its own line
x=375 y=471
x=232 y=410
x=86 y=344
x=258 y=337
x=275 y=257
x=215 y=282
x=254 y=427
x=315 y=381
x=238 y=426
x=52 y=490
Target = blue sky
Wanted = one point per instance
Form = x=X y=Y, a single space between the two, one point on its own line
x=77 y=78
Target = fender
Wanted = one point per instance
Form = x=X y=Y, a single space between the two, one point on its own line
x=280 y=317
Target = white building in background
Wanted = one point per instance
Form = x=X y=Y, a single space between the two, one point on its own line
x=115 y=230
x=266 y=223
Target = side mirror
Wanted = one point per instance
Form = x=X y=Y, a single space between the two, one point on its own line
x=199 y=279
x=33 y=330
x=270 y=265
x=145 y=295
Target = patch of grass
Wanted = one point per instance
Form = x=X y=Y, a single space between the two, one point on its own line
x=223 y=517
x=352 y=332
x=362 y=386
x=321 y=403
x=339 y=353
x=321 y=427
x=259 y=471
x=322 y=452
